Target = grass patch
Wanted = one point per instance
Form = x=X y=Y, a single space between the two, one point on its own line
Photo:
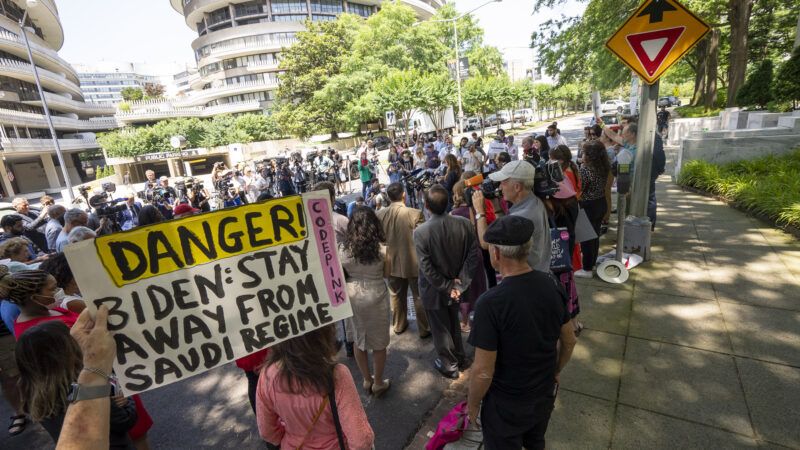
x=768 y=185
x=690 y=112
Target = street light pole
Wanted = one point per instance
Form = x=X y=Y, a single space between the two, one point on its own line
x=53 y=135
x=458 y=79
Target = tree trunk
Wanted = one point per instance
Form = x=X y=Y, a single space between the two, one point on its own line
x=700 y=72
x=739 y=18
x=710 y=95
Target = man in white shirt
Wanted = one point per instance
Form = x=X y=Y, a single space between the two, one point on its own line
x=447 y=147
x=497 y=146
x=472 y=159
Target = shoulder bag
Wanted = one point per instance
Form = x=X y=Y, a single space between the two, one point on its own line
x=335 y=411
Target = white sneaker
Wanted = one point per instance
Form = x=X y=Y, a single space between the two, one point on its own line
x=583 y=274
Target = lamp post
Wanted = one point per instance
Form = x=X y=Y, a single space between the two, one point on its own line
x=458 y=71
x=33 y=4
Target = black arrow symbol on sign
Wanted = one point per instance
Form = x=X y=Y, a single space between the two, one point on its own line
x=656 y=10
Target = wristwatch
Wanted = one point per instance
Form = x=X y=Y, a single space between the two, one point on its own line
x=479 y=217
x=78 y=392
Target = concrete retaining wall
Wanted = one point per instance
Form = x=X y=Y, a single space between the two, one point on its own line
x=680 y=128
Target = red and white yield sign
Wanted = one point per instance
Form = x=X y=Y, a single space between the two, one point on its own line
x=656 y=36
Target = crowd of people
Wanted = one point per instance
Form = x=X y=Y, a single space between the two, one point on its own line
x=466 y=228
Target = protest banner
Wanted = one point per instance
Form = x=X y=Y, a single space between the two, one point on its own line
x=188 y=295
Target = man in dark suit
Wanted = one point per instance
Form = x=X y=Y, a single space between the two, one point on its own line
x=129 y=217
x=447 y=252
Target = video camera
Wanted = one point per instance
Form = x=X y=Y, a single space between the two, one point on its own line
x=548 y=175
x=419 y=179
x=489 y=188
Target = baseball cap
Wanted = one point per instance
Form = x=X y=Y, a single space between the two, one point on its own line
x=184 y=208
x=521 y=170
x=509 y=230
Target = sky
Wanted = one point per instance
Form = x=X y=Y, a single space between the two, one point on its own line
x=150 y=31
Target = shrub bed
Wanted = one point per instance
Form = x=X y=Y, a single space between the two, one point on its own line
x=768 y=186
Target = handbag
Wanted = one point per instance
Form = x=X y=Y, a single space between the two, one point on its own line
x=584 y=231
x=450 y=428
x=560 y=256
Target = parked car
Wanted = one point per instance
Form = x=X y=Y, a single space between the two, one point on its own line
x=523 y=115
x=381 y=142
x=664 y=101
x=492 y=120
x=674 y=101
x=473 y=123
x=613 y=105
x=504 y=116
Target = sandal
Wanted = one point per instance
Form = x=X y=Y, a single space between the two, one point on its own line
x=379 y=390
x=368 y=386
x=17 y=425
x=465 y=328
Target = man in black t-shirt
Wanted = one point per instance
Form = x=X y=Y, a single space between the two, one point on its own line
x=517 y=326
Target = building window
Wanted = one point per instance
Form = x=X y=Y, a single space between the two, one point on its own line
x=219 y=15
x=288 y=6
x=327 y=6
x=290 y=18
x=322 y=18
x=361 y=10
x=250 y=8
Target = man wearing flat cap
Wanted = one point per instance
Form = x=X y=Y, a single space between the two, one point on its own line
x=516 y=330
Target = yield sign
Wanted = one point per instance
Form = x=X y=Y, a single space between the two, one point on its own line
x=652 y=47
x=656 y=36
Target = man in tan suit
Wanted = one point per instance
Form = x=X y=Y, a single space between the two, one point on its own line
x=399 y=222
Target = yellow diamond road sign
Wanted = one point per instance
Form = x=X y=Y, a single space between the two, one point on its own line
x=656 y=36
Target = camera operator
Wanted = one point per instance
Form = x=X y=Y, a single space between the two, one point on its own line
x=164 y=197
x=298 y=176
x=285 y=178
x=516 y=182
x=324 y=166
x=198 y=195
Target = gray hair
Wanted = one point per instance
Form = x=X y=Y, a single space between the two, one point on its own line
x=527 y=184
x=79 y=234
x=74 y=215
x=515 y=252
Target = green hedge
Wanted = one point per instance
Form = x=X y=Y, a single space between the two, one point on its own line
x=768 y=185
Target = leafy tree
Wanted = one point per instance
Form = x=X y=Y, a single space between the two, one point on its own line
x=318 y=55
x=154 y=90
x=130 y=94
x=485 y=61
x=400 y=91
x=437 y=93
x=787 y=82
x=482 y=96
x=756 y=90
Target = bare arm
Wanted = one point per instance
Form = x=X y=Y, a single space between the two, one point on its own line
x=481 y=225
x=87 y=423
x=616 y=137
x=480 y=380
x=568 y=342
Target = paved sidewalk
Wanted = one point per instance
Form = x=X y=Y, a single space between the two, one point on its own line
x=699 y=349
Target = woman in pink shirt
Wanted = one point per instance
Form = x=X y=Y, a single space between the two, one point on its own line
x=302 y=392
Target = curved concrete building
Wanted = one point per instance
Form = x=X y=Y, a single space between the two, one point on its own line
x=238 y=48
x=29 y=163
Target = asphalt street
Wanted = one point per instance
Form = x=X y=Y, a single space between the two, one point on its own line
x=211 y=410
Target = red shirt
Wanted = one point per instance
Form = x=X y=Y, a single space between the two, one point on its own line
x=68 y=317
x=251 y=362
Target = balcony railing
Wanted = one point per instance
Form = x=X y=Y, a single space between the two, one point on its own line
x=46 y=145
x=223 y=49
x=60 y=102
x=167 y=110
x=42 y=50
x=200 y=98
x=10 y=116
x=262 y=65
x=23 y=68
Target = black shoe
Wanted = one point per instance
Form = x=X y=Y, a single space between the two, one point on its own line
x=452 y=374
x=349 y=349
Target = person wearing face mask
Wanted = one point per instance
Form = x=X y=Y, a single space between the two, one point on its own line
x=68 y=293
x=33 y=291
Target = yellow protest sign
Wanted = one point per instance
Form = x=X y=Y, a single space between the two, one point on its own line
x=656 y=36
